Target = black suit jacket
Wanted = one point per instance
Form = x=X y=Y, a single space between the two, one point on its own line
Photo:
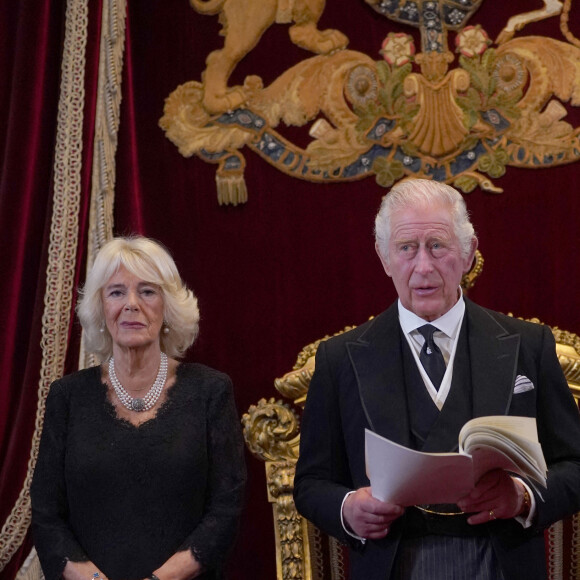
x=358 y=382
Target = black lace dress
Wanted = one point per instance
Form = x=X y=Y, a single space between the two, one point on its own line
x=128 y=497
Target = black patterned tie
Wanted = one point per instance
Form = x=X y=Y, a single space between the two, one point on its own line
x=431 y=357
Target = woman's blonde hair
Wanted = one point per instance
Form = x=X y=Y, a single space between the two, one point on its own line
x=150 y=261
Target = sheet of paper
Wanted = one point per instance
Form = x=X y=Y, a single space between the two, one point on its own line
x=521 y=427
x=408 y=477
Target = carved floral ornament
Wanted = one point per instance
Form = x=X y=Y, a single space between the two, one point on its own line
x=458 y=117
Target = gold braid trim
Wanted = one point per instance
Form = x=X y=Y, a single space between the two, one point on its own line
x=337 y=564
x=555 y=550
x=61 y=252
x=575 y=548
x=316 y=551
x=564 y=19
x=107 y=118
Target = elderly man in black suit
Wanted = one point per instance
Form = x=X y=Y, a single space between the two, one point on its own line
x=415 y=374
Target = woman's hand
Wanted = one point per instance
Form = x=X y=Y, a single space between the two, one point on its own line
x=181 y=566
x=82 y=571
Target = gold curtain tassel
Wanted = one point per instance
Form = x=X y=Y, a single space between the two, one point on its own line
x=231 y=187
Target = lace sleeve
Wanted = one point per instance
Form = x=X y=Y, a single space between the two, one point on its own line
x=213 y=537
x=53 y=539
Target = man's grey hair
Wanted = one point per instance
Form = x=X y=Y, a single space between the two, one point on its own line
x=423 y=192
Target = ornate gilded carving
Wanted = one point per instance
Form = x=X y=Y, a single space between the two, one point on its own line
x=291 y=532
x=470 y=277
x=271 y=430
x=263 y=436
x=294 y=384
x=568 y=351
x=408 y=114
x=280 y=479
x=271 y=434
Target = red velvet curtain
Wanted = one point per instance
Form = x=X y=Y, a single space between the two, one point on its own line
x=31 y=44
x=293 y=264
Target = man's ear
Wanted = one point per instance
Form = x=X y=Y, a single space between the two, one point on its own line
x=383 y=261
x=469 y=260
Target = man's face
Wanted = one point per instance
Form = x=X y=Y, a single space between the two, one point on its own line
x=425 y=260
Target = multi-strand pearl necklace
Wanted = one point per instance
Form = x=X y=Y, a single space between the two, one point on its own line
x=149 y=400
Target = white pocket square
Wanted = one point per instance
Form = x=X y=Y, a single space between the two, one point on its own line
x=522 y=384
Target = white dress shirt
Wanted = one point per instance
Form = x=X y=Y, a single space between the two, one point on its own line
x=448 y=327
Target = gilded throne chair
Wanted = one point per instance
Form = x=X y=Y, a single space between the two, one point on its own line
x=272 y=434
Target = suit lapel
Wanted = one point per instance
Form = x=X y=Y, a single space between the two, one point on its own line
x=494 y=355
x=377 y=361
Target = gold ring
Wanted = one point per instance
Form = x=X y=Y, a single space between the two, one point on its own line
x=491 y=515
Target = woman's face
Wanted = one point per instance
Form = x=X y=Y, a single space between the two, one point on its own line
x=133 y=310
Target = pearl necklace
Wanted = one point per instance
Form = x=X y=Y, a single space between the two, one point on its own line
x=149 y=400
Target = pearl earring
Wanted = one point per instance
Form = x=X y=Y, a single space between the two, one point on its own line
x=102 y=329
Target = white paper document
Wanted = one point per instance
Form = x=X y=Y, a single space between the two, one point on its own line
x=407 y=477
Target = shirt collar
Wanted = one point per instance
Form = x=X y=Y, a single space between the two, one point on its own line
x=449 y=323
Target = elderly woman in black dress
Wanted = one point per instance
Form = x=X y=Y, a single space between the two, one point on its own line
x=140 y=472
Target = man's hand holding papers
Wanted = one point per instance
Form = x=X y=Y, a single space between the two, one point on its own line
x=486 y=444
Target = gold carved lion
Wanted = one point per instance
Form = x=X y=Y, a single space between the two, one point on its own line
x=243 y=24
